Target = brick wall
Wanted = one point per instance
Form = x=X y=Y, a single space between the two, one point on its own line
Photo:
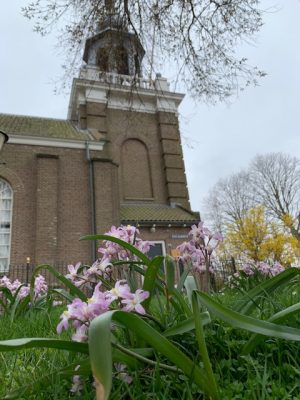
x=163 y=176
x=51 y=208
x=139 y=126
x=52 y=205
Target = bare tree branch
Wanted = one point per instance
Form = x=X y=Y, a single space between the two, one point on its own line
x=200 y=36
x=272 y=180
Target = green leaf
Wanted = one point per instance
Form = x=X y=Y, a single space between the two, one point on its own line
x=4 y=306
x=74 y=290
x=250 y=301
x=278 y=317
x=187 y=325
x=101 y=351
x=7 y=293
x=29 y=343
x=250 y=324
x=179 y=299
x=19 y=307
x=182 y=279
x=170 y=273
x=62 y=293
x=17 y=302
x=214 y=390
x=190 y=286
x=151 y=277
x=123 y=244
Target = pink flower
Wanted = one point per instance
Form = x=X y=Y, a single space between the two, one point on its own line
x=122 y=374
x=73 y=271
x=81 y=334
x=121 y=290
x=133 y=302
x=100 y=301
x=101 y=267
x=276 y=269
x=40 y=286
x=143 y=245
x=64 y=322
x=200 y=232
x=77 y=385
x=23 y=292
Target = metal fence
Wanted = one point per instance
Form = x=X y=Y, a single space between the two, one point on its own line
x=23 y=272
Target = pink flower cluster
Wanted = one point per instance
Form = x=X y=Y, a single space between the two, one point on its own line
x=200 y=249
x=82 y=313
x=128 y=234
x=40 y=287
x=263 y=268
x=111 y=252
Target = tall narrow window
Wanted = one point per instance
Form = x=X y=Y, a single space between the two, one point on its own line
x=122 y=61
x=6 y=197
x=103 y=60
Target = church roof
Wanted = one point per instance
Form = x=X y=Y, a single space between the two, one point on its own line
x=40 y=127
x=157 y=213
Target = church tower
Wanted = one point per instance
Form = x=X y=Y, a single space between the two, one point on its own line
x=139 y=176
x=117 y=159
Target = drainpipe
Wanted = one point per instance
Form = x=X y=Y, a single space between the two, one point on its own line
x=92 y=198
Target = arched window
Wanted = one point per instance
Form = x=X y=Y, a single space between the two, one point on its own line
x=6 y=198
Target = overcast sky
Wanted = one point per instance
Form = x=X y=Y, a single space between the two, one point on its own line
x=218 y=140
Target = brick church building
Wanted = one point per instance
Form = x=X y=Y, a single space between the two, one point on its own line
x=116 y=159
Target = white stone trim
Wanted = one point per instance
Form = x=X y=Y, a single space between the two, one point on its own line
x=125 y=98
x=49 y=142
x=6 y=269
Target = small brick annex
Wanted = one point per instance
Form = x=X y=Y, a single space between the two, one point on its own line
x=116 y=159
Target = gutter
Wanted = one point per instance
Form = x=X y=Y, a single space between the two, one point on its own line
x=92 y=198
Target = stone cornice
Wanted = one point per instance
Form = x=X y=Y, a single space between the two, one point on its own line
x=123 y=97
x=54 y=142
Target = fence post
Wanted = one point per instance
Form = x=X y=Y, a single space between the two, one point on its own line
x=27 y=269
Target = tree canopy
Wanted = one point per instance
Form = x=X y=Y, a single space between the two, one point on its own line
x=198 y=38
x=272 y=180
x=255 y=238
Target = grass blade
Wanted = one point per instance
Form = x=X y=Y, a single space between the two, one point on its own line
x=45 y=381
x=247 y=323
x=249 y=302
x=214 y=390
x=151 y=275
x=278 y=317
x=187 y=325
x=29 y=343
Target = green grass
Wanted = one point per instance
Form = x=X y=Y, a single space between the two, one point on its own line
x=24 y=367
x=272 y=371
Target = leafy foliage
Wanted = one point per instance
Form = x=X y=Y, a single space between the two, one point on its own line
x=256 y=238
